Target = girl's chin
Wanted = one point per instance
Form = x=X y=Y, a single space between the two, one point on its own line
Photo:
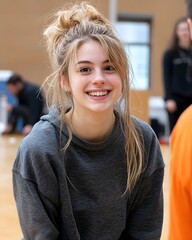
x=101 y=110
x=95 y=108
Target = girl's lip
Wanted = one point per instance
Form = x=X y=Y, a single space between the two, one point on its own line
x=98 y=93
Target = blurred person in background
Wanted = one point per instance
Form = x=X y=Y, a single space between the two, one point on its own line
x=29 y=105
x=180 y=225
x=177 y=72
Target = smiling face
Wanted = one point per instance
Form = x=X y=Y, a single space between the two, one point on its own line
x=93 y=81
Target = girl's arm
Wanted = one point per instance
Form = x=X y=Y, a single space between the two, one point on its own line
x=145 y=207
x=38 y=215
x=36 y=190
x=146 y=217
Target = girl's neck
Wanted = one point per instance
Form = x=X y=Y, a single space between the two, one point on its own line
x=91 y=127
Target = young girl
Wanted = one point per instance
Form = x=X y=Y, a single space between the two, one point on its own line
x=177 y=72
x=88 y=170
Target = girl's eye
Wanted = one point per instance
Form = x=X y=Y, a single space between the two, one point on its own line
x=85 y=69
x=109 y=68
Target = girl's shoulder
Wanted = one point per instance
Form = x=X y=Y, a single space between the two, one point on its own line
x=42 y=134
x=38 y=152
x=153 y=159
x=143 y=127
x=41 y=144
x=46 y=133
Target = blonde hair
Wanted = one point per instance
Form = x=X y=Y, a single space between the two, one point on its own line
x=68 y=31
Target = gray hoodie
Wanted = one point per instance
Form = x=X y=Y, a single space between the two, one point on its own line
x=79 y=195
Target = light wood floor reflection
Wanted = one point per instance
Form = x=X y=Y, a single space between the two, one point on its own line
x=9 y=225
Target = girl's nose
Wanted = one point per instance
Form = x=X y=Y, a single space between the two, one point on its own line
x=99 y=77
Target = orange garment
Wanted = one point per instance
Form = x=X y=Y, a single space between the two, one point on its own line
x=180 y=227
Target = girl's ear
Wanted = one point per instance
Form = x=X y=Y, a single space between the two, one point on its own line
x=64 y=83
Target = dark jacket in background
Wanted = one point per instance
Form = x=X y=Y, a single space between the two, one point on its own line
x=30 y=105
x=177 y=80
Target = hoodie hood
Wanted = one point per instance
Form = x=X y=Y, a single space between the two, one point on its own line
x=53 y=117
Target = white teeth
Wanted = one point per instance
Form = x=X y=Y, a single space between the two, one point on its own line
x=98 y=93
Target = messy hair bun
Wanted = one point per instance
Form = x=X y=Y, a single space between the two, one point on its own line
x=67 y=21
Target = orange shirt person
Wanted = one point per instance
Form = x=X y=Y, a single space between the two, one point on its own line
x=180 y=225
x=181 y=179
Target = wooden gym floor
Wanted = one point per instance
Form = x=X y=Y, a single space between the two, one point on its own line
x=9 y=225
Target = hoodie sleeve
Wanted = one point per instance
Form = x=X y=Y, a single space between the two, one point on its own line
x=145 y=213
x=146 y=218
x=36 y=194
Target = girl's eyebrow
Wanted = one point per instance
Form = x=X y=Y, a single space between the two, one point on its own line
x=88 y=62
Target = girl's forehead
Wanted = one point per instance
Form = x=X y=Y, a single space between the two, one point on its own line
x=90 y=44
x=91 y=50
